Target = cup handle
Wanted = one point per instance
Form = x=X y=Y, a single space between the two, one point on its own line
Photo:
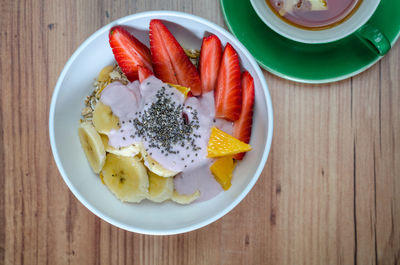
x=374 y=39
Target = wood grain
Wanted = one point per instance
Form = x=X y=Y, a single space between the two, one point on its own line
x=329 y=194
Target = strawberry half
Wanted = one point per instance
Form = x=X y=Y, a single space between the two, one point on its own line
x=228 y=92
x=129 y=52
x=170 y=62
x=143 y=73
x=210 y=60
x=242 y=127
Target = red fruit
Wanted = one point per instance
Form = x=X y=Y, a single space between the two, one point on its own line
x=143 y=73
x=242 y=127
x=228 y=92
x=170 y=62
x=210 y=60
x=129 y=52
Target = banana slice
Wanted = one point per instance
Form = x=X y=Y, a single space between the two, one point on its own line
x=126 y=177
x=183 y=198
x=104 y=74
x=160 y=188
x=156 y=167
x=131 y=150
x=103 y=118
x=92 y=145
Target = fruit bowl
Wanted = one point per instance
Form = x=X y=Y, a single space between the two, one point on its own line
x=75 y=83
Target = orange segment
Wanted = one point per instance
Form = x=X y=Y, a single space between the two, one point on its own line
x=223 y=144
x=184 y=90
x=222 y=170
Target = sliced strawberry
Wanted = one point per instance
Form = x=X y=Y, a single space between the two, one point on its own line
x=129 y=52
x=228 y=92
x=170 y=62
x=143 y=73
x=242 y=127
x=210 y=60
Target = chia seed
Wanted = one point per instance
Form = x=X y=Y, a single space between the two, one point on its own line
x=165 y=126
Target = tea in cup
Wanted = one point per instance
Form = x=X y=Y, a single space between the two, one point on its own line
x=323 y=21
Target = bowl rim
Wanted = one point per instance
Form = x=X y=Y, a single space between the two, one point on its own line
x=187 y=228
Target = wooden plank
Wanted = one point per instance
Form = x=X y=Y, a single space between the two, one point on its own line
x=329 y=194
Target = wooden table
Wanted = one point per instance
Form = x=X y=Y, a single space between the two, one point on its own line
x=329 y=194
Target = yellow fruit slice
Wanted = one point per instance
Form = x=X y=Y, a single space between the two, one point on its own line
x=104 y=73
x=184 y=90
x=103 y=118
x=160 y=188
x=156 y=167
x=126 y=177
x=92 y=146
x=222 y=170
x=102 y=178
x=131 y=150
x=183 y=198
x=223 y=144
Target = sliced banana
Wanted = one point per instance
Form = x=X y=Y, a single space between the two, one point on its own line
x=131 y=150
x=104 y=74
x=92 y=145
x=156 y=167
x=103 y=118
x=183 y=198
x=126 y=177
x=160 y=188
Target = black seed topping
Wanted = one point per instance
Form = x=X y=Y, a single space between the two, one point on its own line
x=165 y=125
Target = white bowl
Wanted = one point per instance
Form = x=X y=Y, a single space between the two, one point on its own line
x=75 y=83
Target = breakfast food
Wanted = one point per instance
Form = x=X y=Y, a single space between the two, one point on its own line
x=158 y=127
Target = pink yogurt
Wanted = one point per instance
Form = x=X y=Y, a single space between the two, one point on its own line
x=151 y=113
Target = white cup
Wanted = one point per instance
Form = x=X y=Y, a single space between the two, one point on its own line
x=357 y=22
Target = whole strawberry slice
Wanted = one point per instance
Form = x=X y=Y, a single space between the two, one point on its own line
x=143 y=73
x=170 y=62
x=228 y=91
x=129 y=52
x=242 y=127
x=210 y=60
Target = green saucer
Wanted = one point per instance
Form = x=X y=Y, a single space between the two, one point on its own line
x=309 y=63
